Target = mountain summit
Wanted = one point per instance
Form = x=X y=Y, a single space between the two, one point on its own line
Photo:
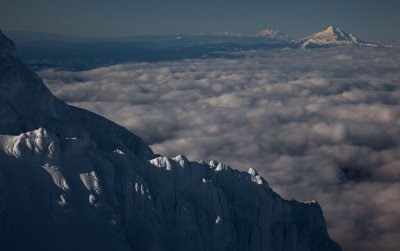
x=272 y=33
x=73 y=180
x=332 y=36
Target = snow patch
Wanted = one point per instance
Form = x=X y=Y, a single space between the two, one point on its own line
x=91 y=181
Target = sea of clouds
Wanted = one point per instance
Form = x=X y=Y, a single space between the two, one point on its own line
x=319 y=124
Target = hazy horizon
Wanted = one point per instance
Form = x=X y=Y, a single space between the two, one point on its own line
x=371 y=20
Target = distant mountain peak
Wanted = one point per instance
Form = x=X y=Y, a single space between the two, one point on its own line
x=332 y=36
x=332 y=28
x=269 y=32
x=338 y=34
x=272 y=33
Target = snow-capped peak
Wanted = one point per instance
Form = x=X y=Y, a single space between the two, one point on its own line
x=332 y=36
x=271 y=33
x=333 y=33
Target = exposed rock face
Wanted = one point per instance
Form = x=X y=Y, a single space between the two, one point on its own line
x=72 y=180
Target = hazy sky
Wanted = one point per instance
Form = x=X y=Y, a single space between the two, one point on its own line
x=369 y=19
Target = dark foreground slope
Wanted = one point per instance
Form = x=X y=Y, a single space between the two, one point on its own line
x=72 y=180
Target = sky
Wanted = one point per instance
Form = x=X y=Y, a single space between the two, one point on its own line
x=369 y=19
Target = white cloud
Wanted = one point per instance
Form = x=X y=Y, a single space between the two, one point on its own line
x=318 y=124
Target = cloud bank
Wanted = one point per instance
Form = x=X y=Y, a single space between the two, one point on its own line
x=317 y=124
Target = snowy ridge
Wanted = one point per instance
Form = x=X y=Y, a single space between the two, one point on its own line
x=67 y=174
x=332 y=36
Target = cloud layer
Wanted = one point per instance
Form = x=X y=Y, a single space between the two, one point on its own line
x=318 y=124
